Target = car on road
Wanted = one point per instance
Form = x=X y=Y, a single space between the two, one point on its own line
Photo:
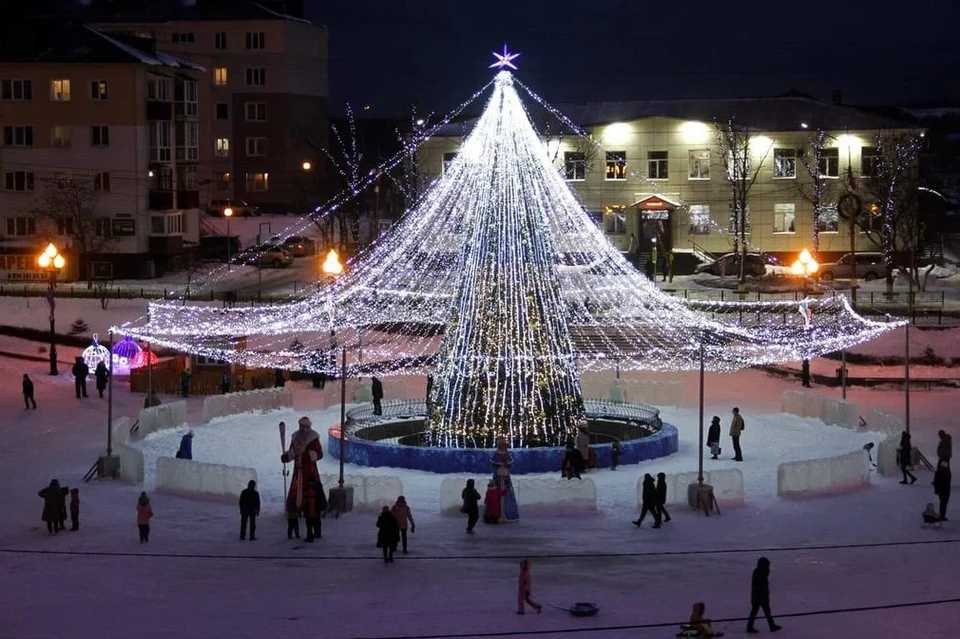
x=239 y=207
x=299 y=246
x=265 y=255
x=729 y=264
x=868 y=265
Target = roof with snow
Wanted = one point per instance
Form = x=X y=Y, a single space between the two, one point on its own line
x=61 y=41
x=178 y=10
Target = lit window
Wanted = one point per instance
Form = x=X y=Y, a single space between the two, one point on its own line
x=829 y=218
x=616 y=165
x=258 y=182
x=614 y=220
x=60 y=136
x=784 y=163
x=657 y=165
x=700 y=164
x=98 y=90
x=223 y=147
x=829 y=164
x=223 y=180
x=869 y=161
x=220 y=76
x=574 y=166
x=784 y=218
x=60 y=90
x=700 y=220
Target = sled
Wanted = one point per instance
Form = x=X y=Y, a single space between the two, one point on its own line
x=686 y=632
x=580 y=609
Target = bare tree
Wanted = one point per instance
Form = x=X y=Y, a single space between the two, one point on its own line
x=816 y=190
x=735 y=144
x=406 y=177
x=69 y=207
x=892 y=189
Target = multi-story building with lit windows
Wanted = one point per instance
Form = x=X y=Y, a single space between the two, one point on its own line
x=99 y=152
x=263 y=97
x=654 y=170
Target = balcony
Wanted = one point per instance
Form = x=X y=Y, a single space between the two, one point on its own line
x=157 y=110
x=160 y=200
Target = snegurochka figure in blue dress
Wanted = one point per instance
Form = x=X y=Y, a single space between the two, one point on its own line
x=501 y=461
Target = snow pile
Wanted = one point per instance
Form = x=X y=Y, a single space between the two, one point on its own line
x=828 y=476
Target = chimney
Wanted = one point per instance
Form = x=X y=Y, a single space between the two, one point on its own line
x=837 y=97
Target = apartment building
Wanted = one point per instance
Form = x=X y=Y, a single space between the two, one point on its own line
x=263 y=98
x=654 y=169
x=99 y=152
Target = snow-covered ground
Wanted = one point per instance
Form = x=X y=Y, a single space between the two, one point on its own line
x=849 y=566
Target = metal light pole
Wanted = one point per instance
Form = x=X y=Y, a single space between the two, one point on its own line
x=906 y=375
x=843 y=373
x=52 y=261
x=110 y=401
x=700 y=464
x=343 y=406
x=228 y=213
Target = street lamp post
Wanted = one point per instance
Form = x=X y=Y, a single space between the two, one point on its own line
x=228 y=213
x=52 y=262
x=340 y=497
x=805 y=266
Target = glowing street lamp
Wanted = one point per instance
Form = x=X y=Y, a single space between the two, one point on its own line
x=228 y=213
x=52 y=262
x=804 y=265
x=306 y=165
x=331 y=264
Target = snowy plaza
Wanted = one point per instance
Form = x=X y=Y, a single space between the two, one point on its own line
x=499 y=309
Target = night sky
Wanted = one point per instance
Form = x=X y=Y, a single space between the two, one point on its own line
x=391 y=53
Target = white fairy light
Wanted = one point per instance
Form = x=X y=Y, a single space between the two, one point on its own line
x=500 y=284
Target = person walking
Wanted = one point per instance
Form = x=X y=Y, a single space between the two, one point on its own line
x=525 y=589
x=471 y=505
x=314 y=505
x=101 y=374
x=736 y=428
x=615 y=451
x=388 y=534
x=760 y=596
x=648 y=501
x=904 y=457
x=941 y=486
x=279 y=381
x=944 y=447
x=51 y=506
x=75 y=509
x=80 y=371
x=713 y=438
x=28 y=399
x=185 y=382
x=376 y=388
x=401 y=511
x=62 y=523
x=225 y=382
x=662 y=497
x=249 y=510
x=144 y=514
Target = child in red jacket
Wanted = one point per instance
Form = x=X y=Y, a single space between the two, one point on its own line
x=75 y=508
x=491 y=513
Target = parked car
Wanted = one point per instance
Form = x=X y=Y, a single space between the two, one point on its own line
x=240 y=208
x=299 y=246
x=729 y=264
x=219 y=247
x=869 y=266
x=265 y=255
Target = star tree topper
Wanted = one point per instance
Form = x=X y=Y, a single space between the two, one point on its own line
x=504 y=60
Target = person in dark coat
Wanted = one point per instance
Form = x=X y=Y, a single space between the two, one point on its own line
x=28 y=392
x=941 y=486
x=249 y=510
x=314 y=505
x=293 y=518
x=429 y=389
x=75 y=509
x=471 y=504
x=662 y=497
x=279 y=381
x=102 y=375
x=903 y=456
x=186 y=446
x=648 y=499
x=572 y=462
x=760 y=596
x=62 y=523
x=225 y=382
x=52 y=496
x=736 y=429
x=388 y=534
x=185 y=382
x=713 y=438
x=944 y=447
x=376 y=388
x=615 y=451
x=80 y=371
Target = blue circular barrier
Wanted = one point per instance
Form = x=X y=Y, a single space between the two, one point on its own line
x=364 y=452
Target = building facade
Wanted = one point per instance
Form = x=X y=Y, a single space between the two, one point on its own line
x=263 y=96
x=656 y=171
x=99 y=152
